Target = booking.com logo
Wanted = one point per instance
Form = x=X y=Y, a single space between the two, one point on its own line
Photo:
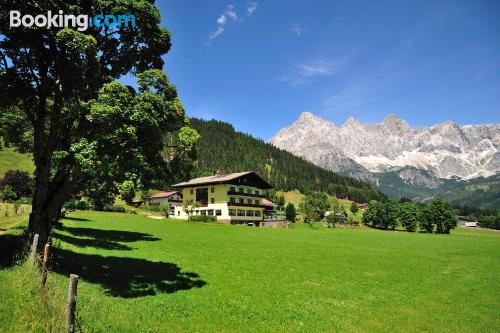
x=80 y=22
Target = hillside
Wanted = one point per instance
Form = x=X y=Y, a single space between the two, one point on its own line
x=483 y=193
x=12 y=160
x=222 y=148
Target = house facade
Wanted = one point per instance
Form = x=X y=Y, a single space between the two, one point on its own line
x=172 y=198
x=234 y=198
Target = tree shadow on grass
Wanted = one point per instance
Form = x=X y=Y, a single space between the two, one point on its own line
x=103 y=239
x=126 y=277
x=11 y=249
x=69 y=218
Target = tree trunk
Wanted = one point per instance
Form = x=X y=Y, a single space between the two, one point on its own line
x=48 y=200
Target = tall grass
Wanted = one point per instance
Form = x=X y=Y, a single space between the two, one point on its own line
x=24 y=307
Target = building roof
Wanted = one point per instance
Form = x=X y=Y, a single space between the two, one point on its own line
x=224 y=179
x=266 y=202
x=163 y=194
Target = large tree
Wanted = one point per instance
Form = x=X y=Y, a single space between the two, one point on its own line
x=90 y=133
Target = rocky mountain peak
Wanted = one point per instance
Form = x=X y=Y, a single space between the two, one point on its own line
x=448 y=149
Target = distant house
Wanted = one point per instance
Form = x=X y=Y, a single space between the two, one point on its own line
x=172 y=198
x=468 y=224
x=235 y=198
x=362 y=206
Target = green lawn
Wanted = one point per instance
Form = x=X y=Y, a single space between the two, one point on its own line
x=143 y=275
x=12 y=160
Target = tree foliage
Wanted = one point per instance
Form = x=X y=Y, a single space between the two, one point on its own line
x=290 y=212
x=19 y=182
x=354 y=207
x=314 y=206
x=441 y=215
x=90 y=133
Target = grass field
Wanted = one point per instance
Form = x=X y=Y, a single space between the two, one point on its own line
x=12 y=160
x=143 y=275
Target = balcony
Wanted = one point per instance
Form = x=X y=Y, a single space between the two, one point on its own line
x=244 y=194
x=238 y=204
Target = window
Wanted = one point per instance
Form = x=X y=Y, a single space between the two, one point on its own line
x=241 y=190
x=232 y=212
x=203 y=212
x=218 y=212
x=202 y=195
x=257 y=192
x=232 y=200
x=242 y=200
x=257 y=213
x=196 y=212
x=241 y=212
x=212 y=200
x=256 y=201
x=178 y=212
x=210 y=212
x=250 y=213
x=212 y=189
x=232 y=189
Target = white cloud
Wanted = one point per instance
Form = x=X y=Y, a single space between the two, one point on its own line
x=216 y=33
x=296 y=29
x=306 y=72
x=252 y=7
x=222 y=20
x=230 y=14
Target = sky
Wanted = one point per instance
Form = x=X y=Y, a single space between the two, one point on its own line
x=259 y=65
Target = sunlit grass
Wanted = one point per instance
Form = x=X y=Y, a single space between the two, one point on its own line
x=304 y=278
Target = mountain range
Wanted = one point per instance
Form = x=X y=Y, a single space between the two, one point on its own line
x=419 y=163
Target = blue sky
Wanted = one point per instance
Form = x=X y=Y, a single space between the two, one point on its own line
x=258 y=65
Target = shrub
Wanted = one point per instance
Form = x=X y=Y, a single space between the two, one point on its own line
x=127 y=191
x=204 y=218
x=8 y=195
x=151 y=208
x=115 y=209
x=20 y=183
x=331 y=220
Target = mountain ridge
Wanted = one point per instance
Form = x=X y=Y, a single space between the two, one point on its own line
x=447 y=149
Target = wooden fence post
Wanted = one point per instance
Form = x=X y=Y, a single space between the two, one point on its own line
x=44 y=265
x=33 y=248
x=70 y=316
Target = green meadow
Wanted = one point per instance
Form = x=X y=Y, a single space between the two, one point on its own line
x=143 y=275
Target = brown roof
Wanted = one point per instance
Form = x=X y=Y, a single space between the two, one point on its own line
x=221 y=179
x=163 y=194
x=266 y=202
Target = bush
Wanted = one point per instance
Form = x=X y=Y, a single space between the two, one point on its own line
x=331 y=220
x=76 y=204
x=127 y=191
x=8 y=195
x=354 y=207
x=204 y=218
x=151 y=208
x=489 y=221
x=20 y=183
x=115 y=209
